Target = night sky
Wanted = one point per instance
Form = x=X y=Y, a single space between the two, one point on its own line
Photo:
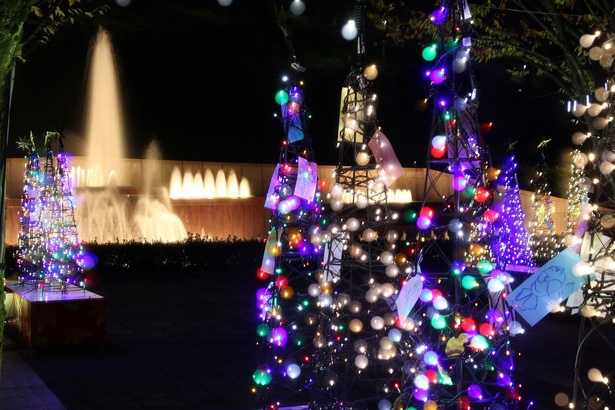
x=201 y=79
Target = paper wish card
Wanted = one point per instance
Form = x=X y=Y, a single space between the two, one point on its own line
x=408 y=296
x=268 y=262
x=390 y=167
x=307 y=177
x=546 y=288
x=269 y=200
x=291 y=115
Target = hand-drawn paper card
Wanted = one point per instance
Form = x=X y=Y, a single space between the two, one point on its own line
x=583 y=225
x=408 y=295
x=547 y=287
x=352 y=111
x=268 y=263
x=270 y=202
x=390 y=167
x=291 y=116
x=332 y=259
x=307 y=177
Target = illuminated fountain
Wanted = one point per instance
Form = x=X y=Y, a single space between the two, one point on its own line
x=198 y=187
x=104 y=212
x=119 y=199
x=104 y=116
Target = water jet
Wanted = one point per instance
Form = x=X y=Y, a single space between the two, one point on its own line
x=104 y=213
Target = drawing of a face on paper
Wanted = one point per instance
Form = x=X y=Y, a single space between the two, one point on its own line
x=546 y=288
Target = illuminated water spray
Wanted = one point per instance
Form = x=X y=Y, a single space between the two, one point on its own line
x=105 y=131
x=103 y=213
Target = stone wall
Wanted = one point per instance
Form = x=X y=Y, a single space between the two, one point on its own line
x=233 y=217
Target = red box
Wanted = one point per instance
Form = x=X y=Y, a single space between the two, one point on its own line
x=50 y=316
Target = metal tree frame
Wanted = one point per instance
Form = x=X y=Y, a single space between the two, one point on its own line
x=361 y=231
x=597 y=300
x=284 y=304
x=597 y=305
x=466 y=158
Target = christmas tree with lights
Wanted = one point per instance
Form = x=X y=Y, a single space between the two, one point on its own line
x=460 y=340
x=542 y=240
x=361 y=262
x=483 y=235
x=59 y=225
x=291 y=262
x=590 y=216
x=576 y=192
x=513 y=246
x=30 y=241
x=356 y=354
x=49 y=246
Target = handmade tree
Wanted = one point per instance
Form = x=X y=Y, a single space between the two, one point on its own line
x=543 y=240
x=483 y=236
x=591 y=206
x=30 y=241
x=291 y=261
x=356 y=340
x=62 y=238
x=460 y=339
x=512 y=249
x=49 y=247
x=576 y=192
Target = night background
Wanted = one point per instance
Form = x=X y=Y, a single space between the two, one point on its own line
x=201 y=78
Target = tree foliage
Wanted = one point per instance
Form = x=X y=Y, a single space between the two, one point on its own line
x=47 y=18
x=538 y=38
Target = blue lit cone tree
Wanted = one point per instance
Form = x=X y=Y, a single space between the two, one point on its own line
x=513 y=246
x=460 y=346
x=291 y=260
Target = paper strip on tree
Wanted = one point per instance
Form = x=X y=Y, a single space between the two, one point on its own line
x=390 y=167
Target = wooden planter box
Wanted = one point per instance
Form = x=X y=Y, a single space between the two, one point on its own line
x=49 y=316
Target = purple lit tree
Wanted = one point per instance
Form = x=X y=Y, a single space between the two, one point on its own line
x=513 y=245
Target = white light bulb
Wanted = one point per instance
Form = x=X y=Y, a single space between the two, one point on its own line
x=297 y=7
x=350 y=31
x=362 y=158
x=595 y=375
